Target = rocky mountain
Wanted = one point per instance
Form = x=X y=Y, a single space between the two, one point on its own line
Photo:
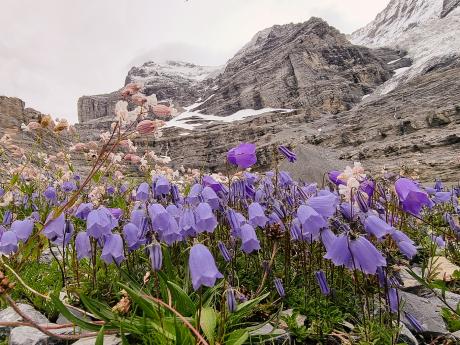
x=429 y=30
x=175 y=81
x=389 y=97
x=305 y=65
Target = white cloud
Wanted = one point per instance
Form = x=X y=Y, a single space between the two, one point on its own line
x=53 y=51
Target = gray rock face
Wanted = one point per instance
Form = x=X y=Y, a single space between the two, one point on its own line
x=427 y=310
x=9 y=315
x=25 y=335
x=306 y=65
x=92 y=107
x=180 y=82
x=406 y=336
x=448 y=6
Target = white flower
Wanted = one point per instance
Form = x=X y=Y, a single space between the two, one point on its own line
x=104 y=137
x=121 y=111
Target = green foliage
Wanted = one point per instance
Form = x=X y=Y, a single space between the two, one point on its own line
x=299 y=333
x=452 y=319
x=44 y=278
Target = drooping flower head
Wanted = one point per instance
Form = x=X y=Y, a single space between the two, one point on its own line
x=156 y=256
x=203 y=269
x=244 y=155
x=291 y=157
x=23 y=228
x=113 y=249
x=100 y=222
x=411 y=196
x=249 y=239
x=83 y=245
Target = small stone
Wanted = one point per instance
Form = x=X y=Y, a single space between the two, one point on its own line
x=279 y=336
x=409 y=283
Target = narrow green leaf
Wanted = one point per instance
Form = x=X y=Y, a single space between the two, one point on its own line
x=71 y=317
x=100 y=337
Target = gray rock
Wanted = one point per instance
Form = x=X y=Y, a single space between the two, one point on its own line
x=47 y=257
x=427 y=310
x=25 y=335
x=108 y=340
x=9 y=315
x=267 y=331
x=406 y=336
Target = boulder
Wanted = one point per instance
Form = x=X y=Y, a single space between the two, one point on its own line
x=25 y=335
x=9 y=315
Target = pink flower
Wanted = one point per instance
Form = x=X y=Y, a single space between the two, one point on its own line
x=131 y=89
x=161 y=110
x=146 y=127
x=78 y=147
x=139 y=99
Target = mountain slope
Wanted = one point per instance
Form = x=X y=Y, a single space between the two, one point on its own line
x=305 y=65
x=429 y=30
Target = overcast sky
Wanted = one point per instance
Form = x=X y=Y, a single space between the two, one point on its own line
x=54 y=51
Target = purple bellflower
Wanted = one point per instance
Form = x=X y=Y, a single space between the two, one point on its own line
x=244 y=155
x=83 y=245
x=291 y=157
x=203 y=269
x=249 y=239
x=113 y=249
x=411 y=196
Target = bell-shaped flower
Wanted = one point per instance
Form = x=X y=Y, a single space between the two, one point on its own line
x=8 y=243
x=162 y=186
x=257 y=215
x=249 y=241
x=66 y=236
x=205 y=218
x=156 y=256
x=55 y=227
x=296 y=230
x=224 y=251
x=174 y=211
x=357 y=254
x=325 y=203
x=312 y=222
x=376 y=226
x=83 y=245
x=100 y=222
x=327 y=238
x=159 y=217
x=405 y=244
x=116 y=212
x=244 y=155
x=284 y=179
x=187 y=223
x=131 y=234
x=322 y=282
x=142 y=192
x=231 y=300
x=279 y=287
x=334 y=177
x=172 y=233
x=209 y=181
x=23 y=229
x=203 y=269
x=138 y=218
x=442 y=197
x=83 y=210
x=210 y=196
x=411 y=196
x=113 y=249
x=291 y=157
x=194 y=194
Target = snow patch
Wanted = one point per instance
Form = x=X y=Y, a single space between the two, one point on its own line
x=187 y=118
